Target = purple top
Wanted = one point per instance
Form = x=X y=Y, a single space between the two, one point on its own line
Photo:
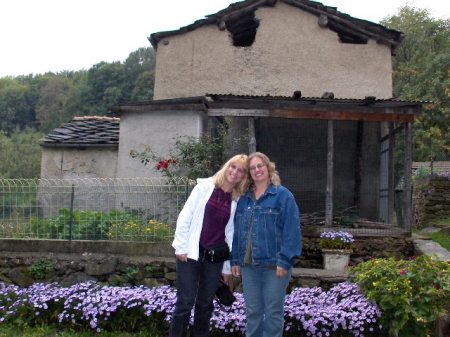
x=217 y=214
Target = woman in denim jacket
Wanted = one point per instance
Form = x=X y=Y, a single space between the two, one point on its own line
x=266 y=244
x=206 y=220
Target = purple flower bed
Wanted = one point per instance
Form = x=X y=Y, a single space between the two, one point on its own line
x=341 y=311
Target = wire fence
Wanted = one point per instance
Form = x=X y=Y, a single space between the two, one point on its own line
x=129 y=209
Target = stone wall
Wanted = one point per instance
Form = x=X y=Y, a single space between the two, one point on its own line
x=23 y=262
x=431 y=200
x=70 y=163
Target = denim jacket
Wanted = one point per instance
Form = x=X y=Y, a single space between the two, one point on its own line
x=275 y=229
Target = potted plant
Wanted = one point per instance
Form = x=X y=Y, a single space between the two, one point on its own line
x=336 y=249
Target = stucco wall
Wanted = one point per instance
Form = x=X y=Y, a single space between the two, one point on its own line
x=291 y=52
x=157 y=129
x=66 y=163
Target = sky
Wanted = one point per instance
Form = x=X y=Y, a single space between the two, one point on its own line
x=38 y=36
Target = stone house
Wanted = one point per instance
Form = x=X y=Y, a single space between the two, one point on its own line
x=306 y=84
x=83 y=147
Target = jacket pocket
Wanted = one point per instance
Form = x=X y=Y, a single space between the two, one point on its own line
x=269 y=235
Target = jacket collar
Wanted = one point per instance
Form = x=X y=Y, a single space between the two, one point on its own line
x=271 y=189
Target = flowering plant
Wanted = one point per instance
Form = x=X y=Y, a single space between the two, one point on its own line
x=189 y=157
x=412 y=294
x=89 y=306
x=336 y=240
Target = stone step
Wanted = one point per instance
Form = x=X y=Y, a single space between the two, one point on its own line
x=312 y=277
x=431 y=248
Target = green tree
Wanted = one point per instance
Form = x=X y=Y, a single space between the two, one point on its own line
x=107 y=86
x=14 y=108
x=139 y=68
x=20 y=154
x=51 y=107
x=421 y=72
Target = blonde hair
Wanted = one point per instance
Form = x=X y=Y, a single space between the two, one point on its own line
x=274 y=177
x=220 y=177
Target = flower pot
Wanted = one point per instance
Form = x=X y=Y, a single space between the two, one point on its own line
x=336 y=259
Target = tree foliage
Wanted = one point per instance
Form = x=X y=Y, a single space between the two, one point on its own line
x=42 y=102
x=33 y=105
x=421 y=72
x=20 y=154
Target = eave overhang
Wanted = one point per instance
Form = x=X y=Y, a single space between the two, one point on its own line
x=368 y=109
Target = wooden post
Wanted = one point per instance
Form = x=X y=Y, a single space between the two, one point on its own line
x=251 y=135
x=407 y=182
x=358 y=160
x=330 y=163
x=391 y=174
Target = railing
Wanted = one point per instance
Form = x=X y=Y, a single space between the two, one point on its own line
x=129 y=209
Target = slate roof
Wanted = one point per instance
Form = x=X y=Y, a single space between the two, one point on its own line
x=347 y=27
x=87 y=131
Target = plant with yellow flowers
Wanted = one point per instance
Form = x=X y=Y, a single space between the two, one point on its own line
x=152 y=230
x=412 y=294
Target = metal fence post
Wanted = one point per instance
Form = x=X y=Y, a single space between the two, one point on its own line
x=72 y=196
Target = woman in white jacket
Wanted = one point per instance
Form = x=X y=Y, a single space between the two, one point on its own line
x=205 y=222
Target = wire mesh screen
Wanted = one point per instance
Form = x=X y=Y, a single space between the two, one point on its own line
x=299 y=149
x=140 y=209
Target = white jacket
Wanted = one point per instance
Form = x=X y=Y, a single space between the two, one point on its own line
x=190 y=222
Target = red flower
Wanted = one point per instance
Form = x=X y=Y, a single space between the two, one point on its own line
x=403 y=272
x=162 y=164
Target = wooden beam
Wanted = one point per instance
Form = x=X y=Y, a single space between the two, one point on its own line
x=391 y=174
x=341 y=115
x=329 y=188
x=358 y=162
x=236 y=13
x=305 y=114
x=407 y=179
x=346 y=22
x=224 y=112
x=251 y=135
x=394 y=132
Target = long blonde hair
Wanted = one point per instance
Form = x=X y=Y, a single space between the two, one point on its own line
x=220 y=177
x=274 y=177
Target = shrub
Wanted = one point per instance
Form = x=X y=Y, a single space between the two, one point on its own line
x=411 y=294
x=86 y=225
x=41 y=270
x=152 y=230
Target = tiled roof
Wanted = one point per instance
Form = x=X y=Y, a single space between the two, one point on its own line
x=87 y=131
x=347 y=27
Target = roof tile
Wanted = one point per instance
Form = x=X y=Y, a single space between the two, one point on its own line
x=85 y=131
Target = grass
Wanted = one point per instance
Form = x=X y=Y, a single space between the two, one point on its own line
x=47 y=331
x=441 y=238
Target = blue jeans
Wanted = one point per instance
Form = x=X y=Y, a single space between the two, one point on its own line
x=264 y=295
x=197 y=283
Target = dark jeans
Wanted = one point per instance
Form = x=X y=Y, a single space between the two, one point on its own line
x=196 y=284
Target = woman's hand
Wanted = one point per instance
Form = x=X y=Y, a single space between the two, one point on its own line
x=181 y=257
x=236 y=271
x=281 y=272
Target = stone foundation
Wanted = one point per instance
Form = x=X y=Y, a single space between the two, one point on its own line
x=23 y=262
